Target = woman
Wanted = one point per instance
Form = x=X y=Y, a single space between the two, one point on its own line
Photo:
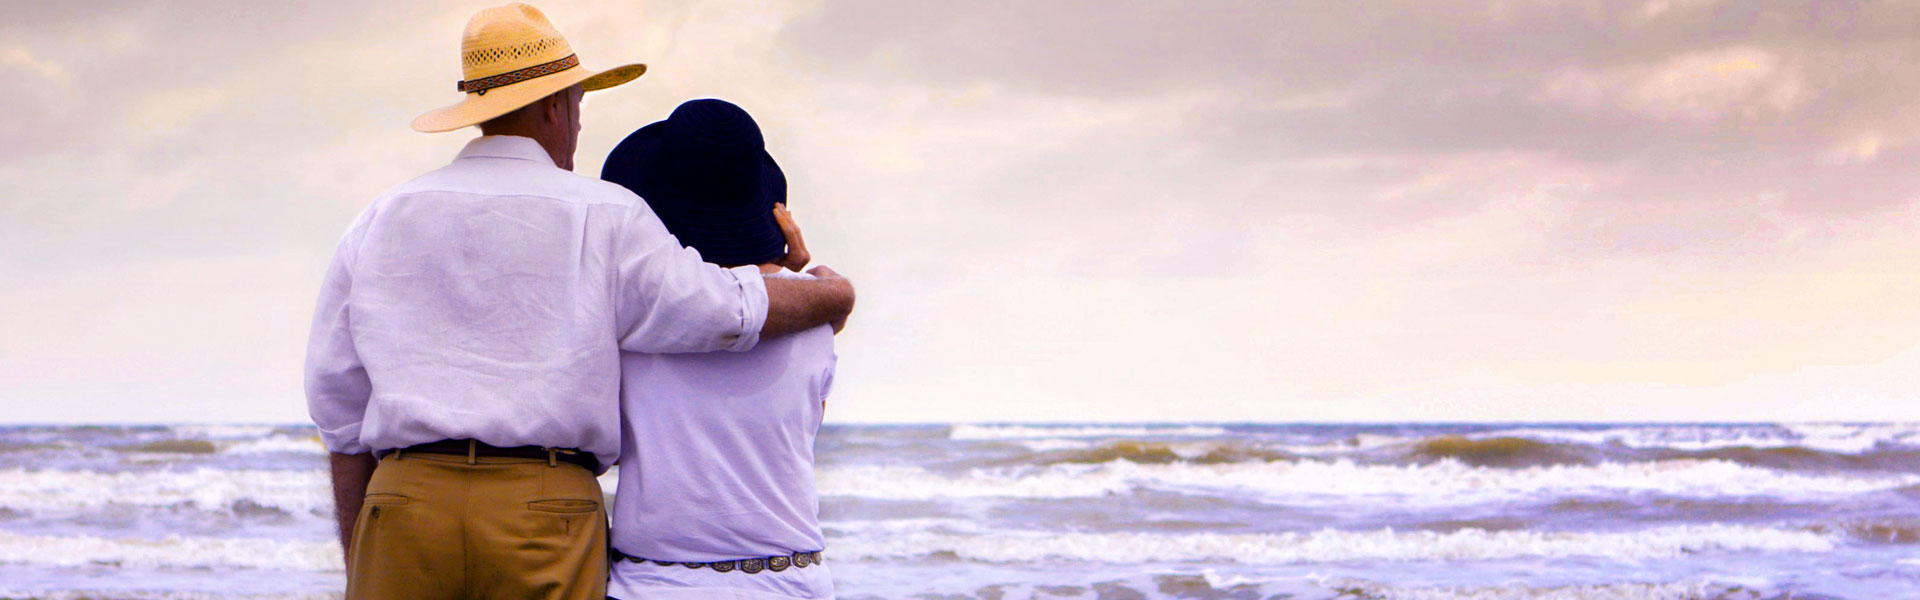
x=716 y=496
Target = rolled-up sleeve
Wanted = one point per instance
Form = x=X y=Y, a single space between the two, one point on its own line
x=336 y=382
x=668 y=300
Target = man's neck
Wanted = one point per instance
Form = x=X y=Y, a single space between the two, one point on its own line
x=769 y=268
x=550 y=146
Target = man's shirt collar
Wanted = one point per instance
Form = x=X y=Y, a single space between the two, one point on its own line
x=506 y=146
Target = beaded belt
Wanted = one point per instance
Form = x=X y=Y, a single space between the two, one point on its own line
x=797 y=560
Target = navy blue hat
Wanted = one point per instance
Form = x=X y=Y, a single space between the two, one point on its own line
x=706 y=172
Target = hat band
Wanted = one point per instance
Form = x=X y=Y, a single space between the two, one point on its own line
x=481 y=85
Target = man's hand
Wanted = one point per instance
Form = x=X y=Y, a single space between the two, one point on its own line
x=797 y=256
x=350 y=475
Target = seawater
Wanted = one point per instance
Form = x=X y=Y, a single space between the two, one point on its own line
x=1257 y=511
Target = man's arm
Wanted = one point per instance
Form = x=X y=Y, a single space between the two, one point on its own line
x=668 y=300
x=797 y=304
x=338 y=388
x=350 y=475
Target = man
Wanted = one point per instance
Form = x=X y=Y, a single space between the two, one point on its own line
x=469 y=329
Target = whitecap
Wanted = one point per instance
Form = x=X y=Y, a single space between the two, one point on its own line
x=221 y=432
x=1326 y=546
x=1054 y=444
x=914 y=483
x=174 y=551
x=1004 y=432
x=279 y=444
x=1837 y=438
x=39 y=491
x=1854 y=439
x=1447 y=482
x=1679 y=590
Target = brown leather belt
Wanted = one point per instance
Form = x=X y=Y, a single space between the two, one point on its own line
x=475 y=448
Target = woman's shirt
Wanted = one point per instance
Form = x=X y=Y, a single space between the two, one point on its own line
x=717 y=464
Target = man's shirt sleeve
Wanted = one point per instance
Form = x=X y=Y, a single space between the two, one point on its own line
x=336 y=381
x=668 y=300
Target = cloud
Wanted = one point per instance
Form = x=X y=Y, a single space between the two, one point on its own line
x=1423 y=79
x=182 y=141
x=20 y=58
x=1744 y=83
x=1128 y=210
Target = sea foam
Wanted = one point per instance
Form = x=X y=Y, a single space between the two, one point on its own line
x=1332 y=545
x=1010 y=432
x=38 y=491
x=173 y=551
x=1824 y=437
x=276 y=444
x=221 y=432
x=1444 y=482
x=1016 y=546
x=1680 y=590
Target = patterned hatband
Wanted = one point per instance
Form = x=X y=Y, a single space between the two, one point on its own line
x=798 y=560
x=481 y=85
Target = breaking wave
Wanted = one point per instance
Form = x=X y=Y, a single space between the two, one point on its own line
x=171 y=552
x=1017 y=546
x=1446 y=482
x=1010 y=432
x=1503 y=451
x=293 y=492
x=1206 y=453
x=1837 y=438
x=276 y=444
x=1332 y=545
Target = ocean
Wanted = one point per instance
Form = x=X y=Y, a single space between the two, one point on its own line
x=1117 y=512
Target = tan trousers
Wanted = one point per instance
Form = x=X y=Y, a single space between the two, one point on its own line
x=436 y=527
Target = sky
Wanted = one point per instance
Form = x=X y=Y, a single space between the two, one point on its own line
x=1392 y=210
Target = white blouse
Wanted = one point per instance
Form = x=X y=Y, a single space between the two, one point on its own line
x=718 y=465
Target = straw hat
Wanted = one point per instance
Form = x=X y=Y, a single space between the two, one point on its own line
x=512 y=56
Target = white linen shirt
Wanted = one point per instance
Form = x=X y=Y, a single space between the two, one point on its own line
x=490 y=300
x=718 y=465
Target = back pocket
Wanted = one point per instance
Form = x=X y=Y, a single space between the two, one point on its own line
x=384 y=499
x=564 y=506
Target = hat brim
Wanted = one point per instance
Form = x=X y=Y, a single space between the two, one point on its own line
x=479 y=108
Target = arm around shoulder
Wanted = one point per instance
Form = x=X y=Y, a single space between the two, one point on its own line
x=798 y=304
x=668 y=300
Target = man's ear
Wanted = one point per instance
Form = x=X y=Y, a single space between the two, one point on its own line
x=551 y=110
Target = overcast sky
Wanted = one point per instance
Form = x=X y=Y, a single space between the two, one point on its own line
x=1053 y=211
